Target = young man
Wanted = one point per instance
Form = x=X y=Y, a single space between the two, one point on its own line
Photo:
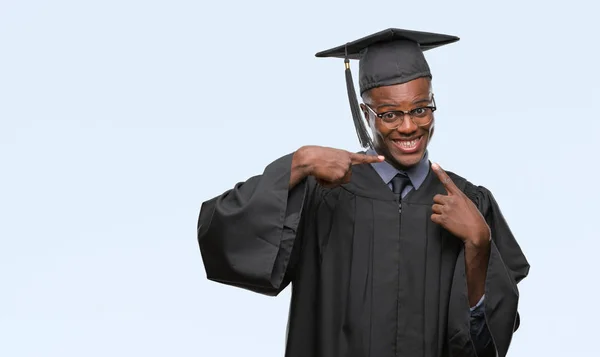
x=387 y=254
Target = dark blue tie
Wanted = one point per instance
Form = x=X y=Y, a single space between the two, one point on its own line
x=399 y=182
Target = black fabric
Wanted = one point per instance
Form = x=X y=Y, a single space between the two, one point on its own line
x=391 y=56
x=389 y=63
x=480 y=334
x=366 y=281
x=399 y=182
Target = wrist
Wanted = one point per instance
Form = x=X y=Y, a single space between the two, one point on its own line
x=480 y=240
x=302 y=162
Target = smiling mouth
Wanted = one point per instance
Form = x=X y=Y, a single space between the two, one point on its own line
x=408 y=146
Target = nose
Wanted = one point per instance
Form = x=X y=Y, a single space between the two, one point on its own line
x=407 y=127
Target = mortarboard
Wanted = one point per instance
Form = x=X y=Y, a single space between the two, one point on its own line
x=388 y=57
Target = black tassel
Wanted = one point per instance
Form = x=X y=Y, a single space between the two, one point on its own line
x=359 y=124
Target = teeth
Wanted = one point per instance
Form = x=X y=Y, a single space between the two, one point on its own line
x=407 y=144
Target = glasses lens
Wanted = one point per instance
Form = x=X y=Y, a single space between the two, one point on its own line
x=419 y=116
x=422 y=116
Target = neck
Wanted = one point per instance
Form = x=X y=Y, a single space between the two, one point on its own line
x=396 y=164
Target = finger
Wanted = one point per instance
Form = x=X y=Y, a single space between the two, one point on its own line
x=347 y=177
x=436 y=218
x=444 y=178
x=339 y=176
x=437 y=208
x=327 y=184
x=441 y=199
x=334 y=180
x=365 y=159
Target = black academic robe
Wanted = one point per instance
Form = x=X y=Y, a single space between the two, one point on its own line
x=366 y=280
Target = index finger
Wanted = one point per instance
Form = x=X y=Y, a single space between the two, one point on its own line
x=444 y=178
x=365 y=159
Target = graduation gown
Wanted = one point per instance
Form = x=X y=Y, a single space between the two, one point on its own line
x=367 y=281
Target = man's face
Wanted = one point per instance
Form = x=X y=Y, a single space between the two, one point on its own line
x=405 y=145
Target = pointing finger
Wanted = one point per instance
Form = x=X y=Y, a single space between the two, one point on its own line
x=365 y=159
x=444 y=178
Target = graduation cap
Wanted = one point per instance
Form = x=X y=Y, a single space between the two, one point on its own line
x=388 y=57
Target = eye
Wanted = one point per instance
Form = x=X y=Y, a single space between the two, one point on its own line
x=419 y=112
x=389 y=116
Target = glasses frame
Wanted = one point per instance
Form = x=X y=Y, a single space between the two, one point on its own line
x=403 y=114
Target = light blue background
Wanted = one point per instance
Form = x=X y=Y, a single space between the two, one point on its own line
x=118 y=118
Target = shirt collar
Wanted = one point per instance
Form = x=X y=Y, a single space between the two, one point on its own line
x=416 y=174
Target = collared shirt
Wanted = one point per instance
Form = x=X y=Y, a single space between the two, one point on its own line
x=416 y=174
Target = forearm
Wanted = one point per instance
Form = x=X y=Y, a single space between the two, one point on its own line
x=477 y=253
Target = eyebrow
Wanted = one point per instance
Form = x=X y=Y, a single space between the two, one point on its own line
x=424 y=100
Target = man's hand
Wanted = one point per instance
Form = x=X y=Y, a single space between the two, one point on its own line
x=457 y=213
x=331 y=167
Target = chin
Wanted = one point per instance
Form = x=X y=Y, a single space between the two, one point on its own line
x=408 y=160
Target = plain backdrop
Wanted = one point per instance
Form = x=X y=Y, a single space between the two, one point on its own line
x=119 y=118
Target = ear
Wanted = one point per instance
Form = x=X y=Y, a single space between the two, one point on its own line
x=431 y=130
x=365 y=112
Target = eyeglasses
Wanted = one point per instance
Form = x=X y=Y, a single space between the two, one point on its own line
x=421 y=116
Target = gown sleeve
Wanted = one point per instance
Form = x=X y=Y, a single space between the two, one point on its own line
x=249 y=235
x=507 y=266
